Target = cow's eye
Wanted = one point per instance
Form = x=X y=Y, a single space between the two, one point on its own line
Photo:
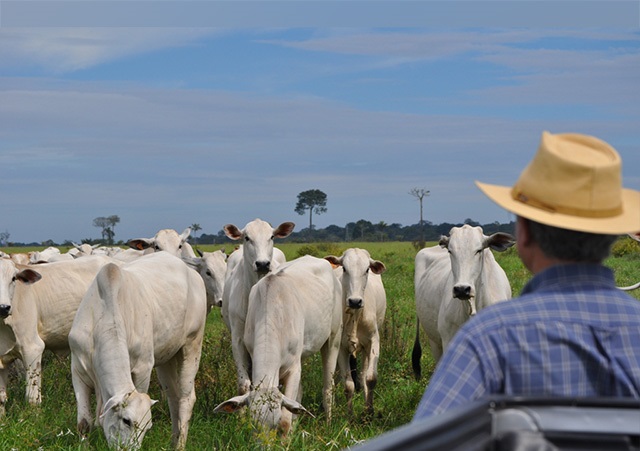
x=247 y=239
x=156 y=247
x=209 y=273
x=127 y=422
x=180 y=247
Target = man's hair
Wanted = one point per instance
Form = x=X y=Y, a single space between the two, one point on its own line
x=571 y=245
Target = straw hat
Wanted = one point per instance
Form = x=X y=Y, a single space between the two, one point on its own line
x=573 y=182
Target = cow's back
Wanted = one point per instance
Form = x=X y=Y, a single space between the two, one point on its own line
x=164 y=304
x=49 y=306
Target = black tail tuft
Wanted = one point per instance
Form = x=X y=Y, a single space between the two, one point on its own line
x=416 y=354
x=353 y=365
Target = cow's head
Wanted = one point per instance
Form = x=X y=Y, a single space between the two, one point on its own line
x=165 y=240
x=356 y=264
x=10 y=275
x=257 y=239
x=126 y=418
x=212 y=267
x=467 y=246
x=267 y=407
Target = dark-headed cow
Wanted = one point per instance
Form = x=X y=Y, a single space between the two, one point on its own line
x=455 y=280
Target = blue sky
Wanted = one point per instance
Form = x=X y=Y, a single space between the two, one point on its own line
x=166 y=127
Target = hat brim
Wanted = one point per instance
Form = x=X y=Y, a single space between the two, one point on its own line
x=627 y=222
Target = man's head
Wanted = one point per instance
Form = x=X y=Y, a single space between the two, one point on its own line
x=574 y=182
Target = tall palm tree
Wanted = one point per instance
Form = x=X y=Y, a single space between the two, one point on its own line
x=195 y=227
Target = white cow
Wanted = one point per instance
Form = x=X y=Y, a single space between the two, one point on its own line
x=37 y=307
x=145 y=314
x=44 y=255
x=293 y=313
x=453 y=281
x=212 y=266
x=165 y=240
x=258 y=257
x=364 y=306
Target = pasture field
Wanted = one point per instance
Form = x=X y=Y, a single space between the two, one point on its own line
x=53 y=425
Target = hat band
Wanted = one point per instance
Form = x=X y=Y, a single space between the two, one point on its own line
x=519 y=196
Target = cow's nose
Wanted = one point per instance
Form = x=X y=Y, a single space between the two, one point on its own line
x=462 y=292
x=355 y=303
x=263 y=267
x=5 y=310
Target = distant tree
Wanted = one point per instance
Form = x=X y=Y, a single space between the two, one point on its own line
x=195 y=227
x=313 y=200
x=420 y=194
x=381 y=228
x=4 y=238
x=107 y=224
x=364 y=227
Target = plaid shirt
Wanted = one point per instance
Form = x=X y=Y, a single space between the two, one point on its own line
x=570 y=333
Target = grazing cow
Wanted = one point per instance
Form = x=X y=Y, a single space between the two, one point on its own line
x=453 y=281
x=37 y=307
x=144 y=314
x=256 y=259
x=293 y=313
x=364 y=306
x=212 y=266
x=165 y=240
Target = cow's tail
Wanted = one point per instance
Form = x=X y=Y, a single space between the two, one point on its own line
x=630 y=287
x=353 y=367
x=109 y=281
x=416 y=354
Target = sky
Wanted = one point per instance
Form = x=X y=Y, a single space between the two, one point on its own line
x=187 y=116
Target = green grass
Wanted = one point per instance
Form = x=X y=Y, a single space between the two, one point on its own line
x=52 y=426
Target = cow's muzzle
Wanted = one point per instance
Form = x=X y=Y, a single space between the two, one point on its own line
x=263 y=267
x=355 y=303
x=462 y=292
x=5 y=310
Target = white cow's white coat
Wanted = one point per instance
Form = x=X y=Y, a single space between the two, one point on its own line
x=145 y=314
x=454 y=280
x=364 y=306
x=246 y=266
x=293 y=313
x=38 y=304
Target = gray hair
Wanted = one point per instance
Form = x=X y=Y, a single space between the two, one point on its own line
x=571 y=245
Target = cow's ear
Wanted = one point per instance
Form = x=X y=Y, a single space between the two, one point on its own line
x=140 y=243
x=295 y=407
x=232 y=405
x=193 y=262
x=444 y=241
x=335 y=261
x=284 y=230
x=232 y=232
x=28 y=276
x=377 y=267
x=500 y=241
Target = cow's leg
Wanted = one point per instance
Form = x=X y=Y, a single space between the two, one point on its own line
x=330 y=352
x=243 y=362
x=4 y=377
x=292 y=384
x=436 y=350
x=32 y=357
x=177 y=378
x=83 y=399
x=370 y=370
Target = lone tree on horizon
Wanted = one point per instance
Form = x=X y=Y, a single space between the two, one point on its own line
x=107 y=224
x=420 y=194
x=313 y=200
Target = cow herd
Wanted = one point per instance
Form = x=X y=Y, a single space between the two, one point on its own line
x=122 y=313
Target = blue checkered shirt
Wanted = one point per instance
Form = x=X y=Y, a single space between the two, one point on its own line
x=570 y=333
